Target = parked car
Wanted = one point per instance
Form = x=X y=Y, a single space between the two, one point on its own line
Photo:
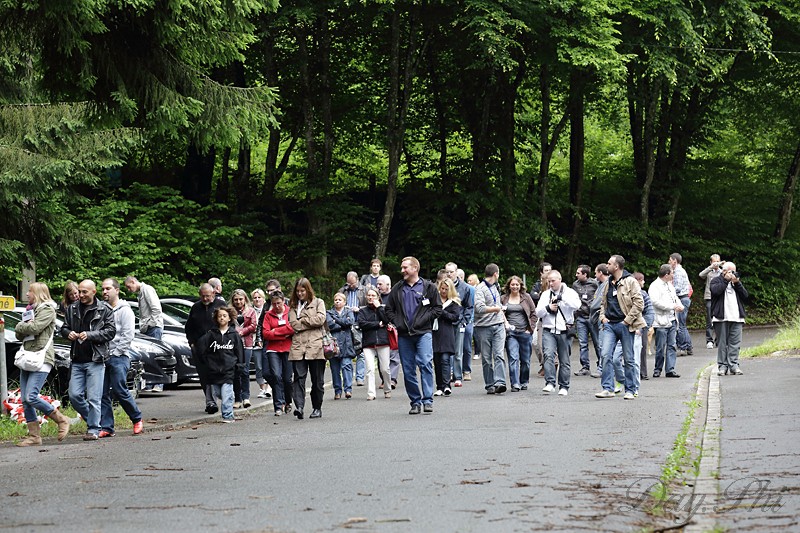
x=178 y=307
x=174 y=336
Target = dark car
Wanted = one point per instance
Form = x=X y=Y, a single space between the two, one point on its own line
x=58 y=379
x=174 y=336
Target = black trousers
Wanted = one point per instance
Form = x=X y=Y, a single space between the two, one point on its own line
x=316 y=367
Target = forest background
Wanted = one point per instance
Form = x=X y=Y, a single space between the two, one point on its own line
x=246 y=139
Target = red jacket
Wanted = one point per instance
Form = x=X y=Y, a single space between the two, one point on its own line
x=277 y=337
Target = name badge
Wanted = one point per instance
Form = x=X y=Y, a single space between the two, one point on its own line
x=614 y=293
x=281 y=322
x=585 y=296
x=462 y=329
x=425 y=301
x=27 y=315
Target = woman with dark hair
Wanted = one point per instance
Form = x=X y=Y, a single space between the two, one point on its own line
x=340 y=323
x=70 y=297
x=245 y=322
x=221 y=353
x=277 y=334
x=520 y=324
x=35 y=330
x=307 y=317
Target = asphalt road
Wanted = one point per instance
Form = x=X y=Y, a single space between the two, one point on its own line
x=517 y=462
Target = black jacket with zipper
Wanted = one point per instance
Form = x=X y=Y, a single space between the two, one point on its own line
x=422 y=321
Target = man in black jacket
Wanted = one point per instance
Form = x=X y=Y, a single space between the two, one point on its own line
x=727 y=314
x=412 y=306
x=89 y=324
x=200 y=322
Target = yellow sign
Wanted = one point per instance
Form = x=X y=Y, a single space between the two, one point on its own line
x=7 y=303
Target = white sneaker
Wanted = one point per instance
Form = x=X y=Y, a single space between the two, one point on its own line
x=158 y=388
x=628 y=396
x=710 y=345
x=617 y=387
x=437 y=393
x=563 y=392
x=262 y=394
x=548 y=388
x=269 y=392
x=736 y=371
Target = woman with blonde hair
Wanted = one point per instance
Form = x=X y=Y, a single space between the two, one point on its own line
x=444 y=335
x=35 y=330
x=260 y=305
x=307 y=318
x=245 y=323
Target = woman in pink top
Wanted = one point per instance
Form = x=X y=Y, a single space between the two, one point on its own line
x=245 y=323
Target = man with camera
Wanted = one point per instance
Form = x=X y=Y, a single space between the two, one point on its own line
x=555 y=310
x=708 y=274
x=727 y=313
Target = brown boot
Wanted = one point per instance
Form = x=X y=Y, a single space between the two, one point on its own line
x=62 y=421
x=34 y=438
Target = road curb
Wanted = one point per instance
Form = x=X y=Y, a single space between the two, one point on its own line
x=704 y=500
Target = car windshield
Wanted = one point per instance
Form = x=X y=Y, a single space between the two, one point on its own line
x=176 y=311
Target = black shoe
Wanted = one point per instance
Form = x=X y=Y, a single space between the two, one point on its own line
x=316 y=413
x=490 y=390
x=298 y=413
x=211 y=408
x=689 y=352
x=427 y=408
x=657 y=373
x=415 y=409
x=672 y=375
x=583 y=372
x=524 y=386
x=645 y=377
x=499 y=389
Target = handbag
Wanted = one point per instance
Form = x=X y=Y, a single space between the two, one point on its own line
x=393 y=337
x=32 y=361
x=572 y=329
x=330 y=348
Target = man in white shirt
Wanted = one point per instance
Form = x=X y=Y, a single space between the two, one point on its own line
x=727 y=313
x=555 y=310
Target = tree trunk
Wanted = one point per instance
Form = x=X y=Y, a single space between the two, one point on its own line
x=787 y=196
x=223 y=192
x=241 y=180
x=198 y=173
x=577 y=84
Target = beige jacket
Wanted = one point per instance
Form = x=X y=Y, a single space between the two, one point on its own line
x=308 y=329
x=629 y=295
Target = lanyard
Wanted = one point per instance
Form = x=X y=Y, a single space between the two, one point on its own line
x=494 y=298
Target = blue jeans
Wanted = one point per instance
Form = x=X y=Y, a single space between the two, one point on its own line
x=278 y=373
x=361 y=368
x=86 y=392
x=613 y=332
x=417 y=352
x=491 y=341
x=258 y=359
x=586 y=329
x=556 y=345
x=456 y=361
x=342 y=374
x=519 y=346
x=666 y=348
x=466 y=359
x=30 y=383
x=224 y=391
x=154 y=332
x=683 y=339
x=116 y=382
x=241 y=391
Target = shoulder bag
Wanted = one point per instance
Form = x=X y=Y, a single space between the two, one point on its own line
x=32 y=361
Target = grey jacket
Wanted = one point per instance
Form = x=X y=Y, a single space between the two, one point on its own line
x=486 y=297
x=149 y=308
x=125 y=321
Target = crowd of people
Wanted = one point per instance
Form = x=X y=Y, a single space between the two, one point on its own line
x=430 y=328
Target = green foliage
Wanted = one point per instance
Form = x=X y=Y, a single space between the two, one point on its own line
x=785 y=342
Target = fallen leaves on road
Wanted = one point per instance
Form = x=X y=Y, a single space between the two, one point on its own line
x=474 y=481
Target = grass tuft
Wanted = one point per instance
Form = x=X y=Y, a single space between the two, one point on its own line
x=785 y=342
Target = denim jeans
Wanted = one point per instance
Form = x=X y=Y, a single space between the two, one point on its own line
x=342 y=374
x=86 y=392
x=242 y=389
x=116 y=382
x=154 y=332
x=456 y=361
x=519 y=346
x=683 y=339
x=30 y=383
x=278 y=373
x=556 y=345
x=613 y=332
x=360 y=367
x=491 y=341
x=466 y=354
x=224 y=391
x=441 y=365
x=666 y=349
x=729 y=339
x=417 y=352
x=586 y=329
x=258 y=359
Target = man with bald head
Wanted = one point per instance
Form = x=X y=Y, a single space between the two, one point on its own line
x=200 y=321
x=89 y=324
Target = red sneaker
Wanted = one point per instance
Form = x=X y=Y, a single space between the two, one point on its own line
x=137 y=427
x=103 y=434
